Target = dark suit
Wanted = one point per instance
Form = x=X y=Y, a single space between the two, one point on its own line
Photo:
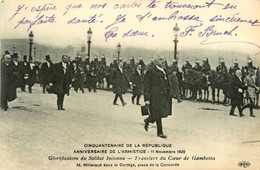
x=32 y=76
x=236 y=96
x=23 y=70
x=120 y=84
x=137 y=80
x=61 y=82
x=14 y=69
x=158 y=91
x=46 y=72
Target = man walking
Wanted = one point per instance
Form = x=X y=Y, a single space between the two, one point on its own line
x=158 y=95
x=46 y=71
x=61 y=81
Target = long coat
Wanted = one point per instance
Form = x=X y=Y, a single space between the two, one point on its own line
x=14 y=73
x=32 y=74
x=23 y=70
x=175 y=85
x=251 y=91
x=8 y=89
x=137 y=80
x=158 y=90
x=120 y=82
x=236 y=96
x=46 y=72
x=61 y=79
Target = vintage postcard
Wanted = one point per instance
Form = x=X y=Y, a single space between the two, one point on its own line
x=130 y=84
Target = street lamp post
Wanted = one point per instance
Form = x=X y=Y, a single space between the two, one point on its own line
x=89 y=40
x=34 y=53
x=175 y=31
x=30 y=44
x=118 y=51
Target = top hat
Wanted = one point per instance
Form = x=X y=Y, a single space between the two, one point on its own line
x=7 y=52
x=25 y=57
x=15 y=55
x=47 y=57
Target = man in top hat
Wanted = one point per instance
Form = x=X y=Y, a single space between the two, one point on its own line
x=32 y=74
x=157 y=95
x=46 y=71
x=137 y=80
x=23 y=72
x=15 y=67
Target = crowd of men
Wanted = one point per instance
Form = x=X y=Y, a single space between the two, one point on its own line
x=157 y=81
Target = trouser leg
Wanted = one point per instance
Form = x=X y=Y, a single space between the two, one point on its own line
x=240 y=110
x=233 y=106
x=133 y=98
x=159 y=126
x=251 y=106
x=115 y=99
x=138 y=99
x=121 y=98
x=43 y=87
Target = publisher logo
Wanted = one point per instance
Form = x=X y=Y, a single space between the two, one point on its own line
x=244 y=164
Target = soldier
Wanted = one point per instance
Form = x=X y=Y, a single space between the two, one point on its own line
x=120 y=83
x=79 y=79
x=234 y=68
x=222 y=68
x=205 y=66
x=137 y=79
x=245 y=70
x=174 y=67
x=32 y=69
x=251 y=91
x=61 y=81
x=46 y=71
x=186 y=66
x=113 y=65
x=157 y=95
x=23 y=75
x=197 y=66
x=93 y=78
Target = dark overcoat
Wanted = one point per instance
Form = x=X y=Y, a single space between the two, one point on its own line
x=158 y=90
x=137 y=80
x=175 y=85
x=61 y=79
x=236 y=96
x=120 y=82
x=32 y=74
x=46 y=72
x=23 y=70
x=14 y=73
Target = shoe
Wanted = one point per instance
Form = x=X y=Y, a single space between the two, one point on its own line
x=242 y=115
x=138 y=104
x=233 y=115
x=179 y=101
x=162 y=136
x=146 y=125
x=124 y=104
x=62 y=109
x=59 y=108
x=252 y=115
x=115 y=104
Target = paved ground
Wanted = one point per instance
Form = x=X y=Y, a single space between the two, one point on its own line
x=32 y=130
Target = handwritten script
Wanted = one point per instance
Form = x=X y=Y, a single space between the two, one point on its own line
x=200 y=25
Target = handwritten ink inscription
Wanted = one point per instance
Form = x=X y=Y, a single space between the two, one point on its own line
x=201 y=26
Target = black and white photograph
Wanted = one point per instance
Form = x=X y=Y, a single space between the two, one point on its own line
x=130 y=84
